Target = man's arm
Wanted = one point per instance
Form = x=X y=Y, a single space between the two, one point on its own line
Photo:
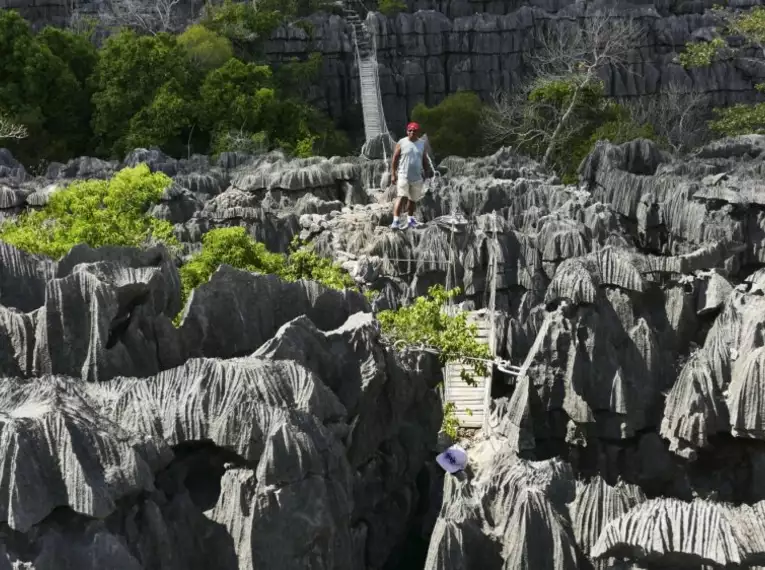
x=394 y=162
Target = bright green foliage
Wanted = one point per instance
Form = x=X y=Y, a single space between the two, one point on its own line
x=231 y=246
x=450 y=423
x=95 y=212
x=39 y=90
x=751 y=25
x=426 y=322
x=700 y=54
x=234 y=247
x=391 y=7
x=304 y=147
x=454 y=125
x=739 y=120
x=303 y=263
x=206 y=49
x=131 y=72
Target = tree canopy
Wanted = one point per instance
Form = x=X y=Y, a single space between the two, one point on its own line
x=205 y=90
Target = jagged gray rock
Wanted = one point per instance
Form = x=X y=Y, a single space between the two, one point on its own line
x=686 y=533
x=630 y=303
x=60 y=452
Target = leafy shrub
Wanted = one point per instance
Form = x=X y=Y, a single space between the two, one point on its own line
x=303 y=263
x=537 y=113
x=243 y=141
x=453 y=126
x=426 y=322
x=450 y=424
x=700 y=54
x=748 y=27
x=391 y=7
x=234 y=247
x=740 y=119
x=95 y=212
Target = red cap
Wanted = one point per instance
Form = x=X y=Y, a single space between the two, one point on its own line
x=413 y=126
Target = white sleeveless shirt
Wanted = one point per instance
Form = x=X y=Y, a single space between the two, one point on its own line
x=410 y=160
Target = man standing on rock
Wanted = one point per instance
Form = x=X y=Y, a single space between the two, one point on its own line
x=409 y=165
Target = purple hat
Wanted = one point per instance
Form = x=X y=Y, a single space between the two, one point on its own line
x=453 y=459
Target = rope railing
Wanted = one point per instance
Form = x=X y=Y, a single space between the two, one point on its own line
x=371 y=57
x=501 y=364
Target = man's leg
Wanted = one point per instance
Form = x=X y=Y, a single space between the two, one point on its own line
x=397 y=206
x=415 y=195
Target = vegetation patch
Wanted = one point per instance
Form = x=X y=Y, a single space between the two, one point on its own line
x=425 y=322
x=235 y=247
x=95 y=212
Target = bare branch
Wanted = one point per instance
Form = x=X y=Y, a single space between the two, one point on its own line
x=574 y=52
x=677 y=114
x=11 y=130
x=150 y=16
x=571 y=48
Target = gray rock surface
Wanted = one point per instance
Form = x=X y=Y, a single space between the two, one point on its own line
x=277 y=426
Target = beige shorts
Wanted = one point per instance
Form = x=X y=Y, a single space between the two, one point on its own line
x=410 y=190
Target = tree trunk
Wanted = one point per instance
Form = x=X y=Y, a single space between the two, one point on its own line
x=563 y=120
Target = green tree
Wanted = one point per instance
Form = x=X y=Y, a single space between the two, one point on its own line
x=546 y=112
x=95 y=212
x=80 y=56
x=454 y=125
x=247 y=24
x=164 y=123
x=590 y=115
x=38 y=90
x=131 y=71
x=206 y=49
x=237 y=96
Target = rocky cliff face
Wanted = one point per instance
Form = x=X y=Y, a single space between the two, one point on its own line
x=451 y=45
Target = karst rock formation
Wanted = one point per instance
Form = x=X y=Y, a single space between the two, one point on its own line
x=275 y=428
